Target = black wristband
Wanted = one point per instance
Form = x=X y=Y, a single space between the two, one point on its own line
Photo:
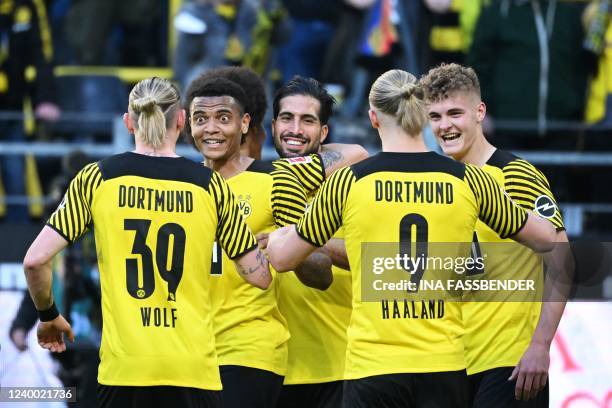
x=48 y=314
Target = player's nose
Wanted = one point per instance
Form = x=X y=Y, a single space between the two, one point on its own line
x=445 y=123
x=210 y=128
x=295 y=127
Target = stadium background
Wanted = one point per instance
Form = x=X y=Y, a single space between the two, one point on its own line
x=345 y=44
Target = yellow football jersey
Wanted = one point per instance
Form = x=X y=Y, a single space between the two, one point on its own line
x=250 y=331
x=317 y=322
x=309 y=170
x=155 y=220
x=312 y=314
x=498 y=333
x=383 y=200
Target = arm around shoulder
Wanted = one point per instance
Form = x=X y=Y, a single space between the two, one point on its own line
x=338 y=155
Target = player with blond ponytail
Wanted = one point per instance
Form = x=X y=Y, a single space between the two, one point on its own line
x=155 y=216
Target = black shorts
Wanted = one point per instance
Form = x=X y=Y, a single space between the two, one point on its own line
x=246 y=387
x=321 y=395
x=110 y=396
x=491 y=388
x=422 y=390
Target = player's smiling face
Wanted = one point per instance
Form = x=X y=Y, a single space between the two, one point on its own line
x=297 y=130
x=217 y=125
x=455 y=121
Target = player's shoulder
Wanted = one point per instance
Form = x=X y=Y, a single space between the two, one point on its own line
x=90 y=175
x=157 y=168
x=516 y=168
x=261 y=166
x=89 y=168
x=270 y=172
x=308 y=161
x=427 y=162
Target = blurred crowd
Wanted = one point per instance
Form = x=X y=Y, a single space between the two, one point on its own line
x=545 y=65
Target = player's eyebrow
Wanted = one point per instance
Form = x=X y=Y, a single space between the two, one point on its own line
x=216 y=111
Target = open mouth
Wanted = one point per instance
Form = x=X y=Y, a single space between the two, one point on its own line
x=451 y=136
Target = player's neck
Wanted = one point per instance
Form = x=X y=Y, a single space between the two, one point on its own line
x=479 y=153
x=402 y=142
x=232 y=166
x=165 y=150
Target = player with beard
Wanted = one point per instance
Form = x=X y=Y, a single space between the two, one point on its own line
x=251 y=334
x=302 y=108
x=503 y=340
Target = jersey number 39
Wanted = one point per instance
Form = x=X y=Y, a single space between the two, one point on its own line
x=168 y=258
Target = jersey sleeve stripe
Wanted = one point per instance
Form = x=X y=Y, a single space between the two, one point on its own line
x=498 y=211
x=310 y=174
x=59 y=231
x=520 y=165
x=525 y=184
x=73 y=216
x=232 y=232
x=306 y=237
x=324 y=216
x=493 y=199
x=288 y=198
x=72 y=211
x=307 y=179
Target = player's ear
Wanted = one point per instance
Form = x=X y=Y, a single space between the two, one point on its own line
x=127 y=121
x=324 y=133
x=481 y=112
x=244 y=125
x=373 y=119
x=180 y=119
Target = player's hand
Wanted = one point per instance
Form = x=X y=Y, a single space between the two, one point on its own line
x=262 y=240
x=276 y=237
x=51 y=334
x=19 y=337
x=531 y=373
x=278 y=234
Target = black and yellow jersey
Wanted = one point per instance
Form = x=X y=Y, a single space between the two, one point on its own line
x=383 y=200
x=313 y=314
x=310 y=170
x=498 y=333
x=317 y=322
x=249 y=329
x=155 y=220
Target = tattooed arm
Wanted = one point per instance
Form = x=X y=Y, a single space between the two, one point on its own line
x=253 y=268
x=337 y=155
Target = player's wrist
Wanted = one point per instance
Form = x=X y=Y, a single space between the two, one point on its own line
x=540 y=342
x=48 y=314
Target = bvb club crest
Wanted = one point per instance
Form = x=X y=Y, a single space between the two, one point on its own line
x=245 y=205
